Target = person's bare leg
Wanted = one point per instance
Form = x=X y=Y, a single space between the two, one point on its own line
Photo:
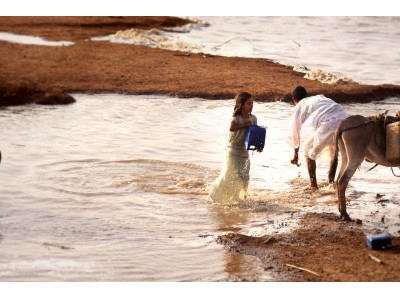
x=312 y=166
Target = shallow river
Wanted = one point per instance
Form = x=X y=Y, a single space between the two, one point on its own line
x=114 y=188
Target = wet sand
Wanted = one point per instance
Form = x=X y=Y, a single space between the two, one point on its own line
x=324 y=244
x=327 y=248
x=46 y=75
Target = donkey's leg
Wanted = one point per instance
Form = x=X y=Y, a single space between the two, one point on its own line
x=341 y=191
x=353 y=147
x=340 y=184
x=343 y=154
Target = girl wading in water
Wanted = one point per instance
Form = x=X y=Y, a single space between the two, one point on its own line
x=231 y=185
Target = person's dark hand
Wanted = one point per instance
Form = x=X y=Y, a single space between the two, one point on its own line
x=295 y=160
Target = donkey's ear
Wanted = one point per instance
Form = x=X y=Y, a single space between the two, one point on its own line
x=384 y=114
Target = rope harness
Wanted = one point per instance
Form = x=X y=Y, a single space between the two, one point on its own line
x=393 y=172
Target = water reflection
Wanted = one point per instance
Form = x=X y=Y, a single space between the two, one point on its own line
x=239 y=265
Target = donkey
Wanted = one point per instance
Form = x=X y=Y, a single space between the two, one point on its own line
x=359 y=138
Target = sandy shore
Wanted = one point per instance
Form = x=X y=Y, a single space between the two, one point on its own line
x=324 y=244
x=46 y=74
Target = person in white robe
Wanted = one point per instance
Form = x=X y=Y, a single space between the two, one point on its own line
x=323 y=115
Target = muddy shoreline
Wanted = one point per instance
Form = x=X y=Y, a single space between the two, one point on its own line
x=322 y=249
x=46 y=75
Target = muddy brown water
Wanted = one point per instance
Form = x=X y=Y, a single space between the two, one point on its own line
x=110 y=188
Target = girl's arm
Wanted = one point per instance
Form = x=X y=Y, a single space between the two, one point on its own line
x=235 y=126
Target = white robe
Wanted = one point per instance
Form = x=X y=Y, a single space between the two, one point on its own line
x=324 y=115
x=231 y=185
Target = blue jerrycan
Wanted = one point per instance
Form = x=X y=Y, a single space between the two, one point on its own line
x=379 y=240
x=255 y=138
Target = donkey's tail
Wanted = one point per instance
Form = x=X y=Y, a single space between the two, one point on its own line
x=334 y=162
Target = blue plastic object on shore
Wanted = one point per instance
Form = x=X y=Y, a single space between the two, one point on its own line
x=255 y=138
x=379 y=241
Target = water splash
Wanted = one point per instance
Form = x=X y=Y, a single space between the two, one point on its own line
x=31 y=40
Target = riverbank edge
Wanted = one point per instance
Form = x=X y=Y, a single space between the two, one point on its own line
x=49 y=75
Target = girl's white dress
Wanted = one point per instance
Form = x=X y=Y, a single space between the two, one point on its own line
x=231 y=185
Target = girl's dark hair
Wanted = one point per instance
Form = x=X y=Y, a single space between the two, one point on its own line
x=299 y=93
x=240 y=99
